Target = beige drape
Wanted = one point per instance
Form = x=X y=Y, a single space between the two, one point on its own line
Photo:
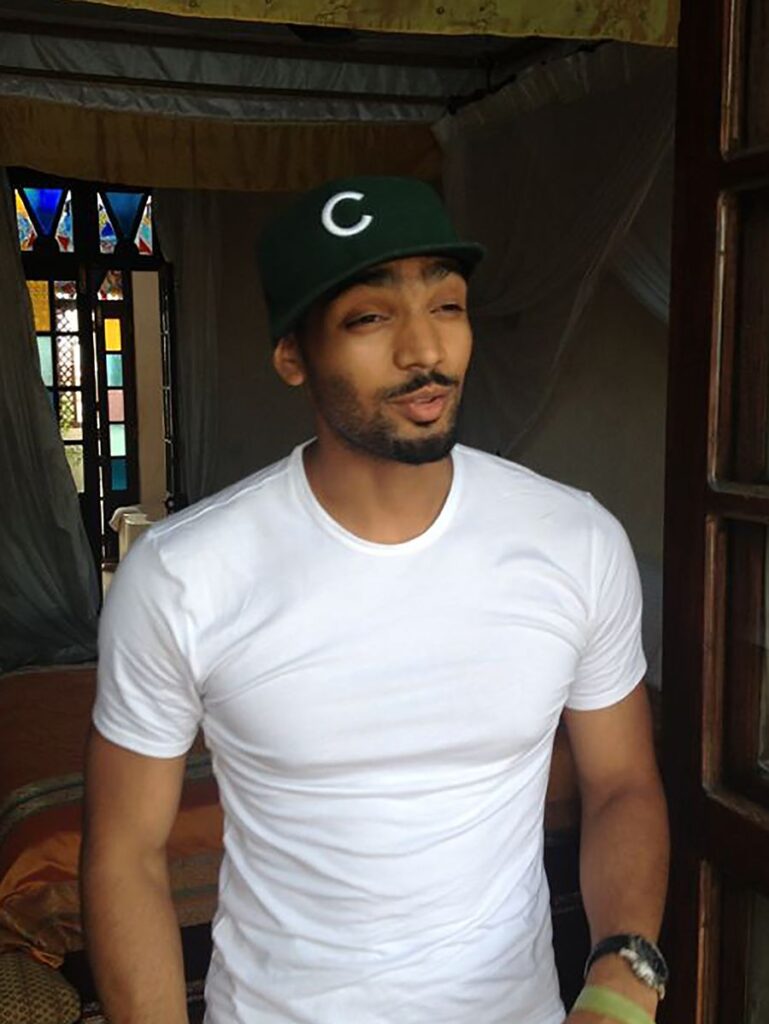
x=143 y=149
x=653 y=22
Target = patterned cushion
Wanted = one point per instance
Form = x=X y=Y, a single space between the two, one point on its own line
x=31 y=993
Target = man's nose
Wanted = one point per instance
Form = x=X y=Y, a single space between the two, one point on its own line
x=418 y=342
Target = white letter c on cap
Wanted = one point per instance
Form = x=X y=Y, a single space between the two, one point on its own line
x=327 y=216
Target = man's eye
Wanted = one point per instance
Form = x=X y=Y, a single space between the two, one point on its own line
x=365 y=318
x=452 y=307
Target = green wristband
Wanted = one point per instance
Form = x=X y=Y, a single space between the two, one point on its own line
x=597 y=999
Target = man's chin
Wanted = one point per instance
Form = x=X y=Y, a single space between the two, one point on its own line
x=418 y=451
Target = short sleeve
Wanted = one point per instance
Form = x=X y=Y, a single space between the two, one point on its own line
x=612 y=660
x=146 y=698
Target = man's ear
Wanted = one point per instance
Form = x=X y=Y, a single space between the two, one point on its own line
x=288 y=361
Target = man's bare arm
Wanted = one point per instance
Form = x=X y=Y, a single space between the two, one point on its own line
x=132 y=934
x=625 y=845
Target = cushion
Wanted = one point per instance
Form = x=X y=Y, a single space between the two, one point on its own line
x=31 y=993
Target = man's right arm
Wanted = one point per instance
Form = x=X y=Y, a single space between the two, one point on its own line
x=131 y=930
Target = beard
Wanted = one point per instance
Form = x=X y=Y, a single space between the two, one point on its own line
x=336 y=401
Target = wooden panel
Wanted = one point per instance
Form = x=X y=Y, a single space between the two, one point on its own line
x=746 y=80
x=699 y=166
x=736 y=837
x=736 y=501
x=746 y=679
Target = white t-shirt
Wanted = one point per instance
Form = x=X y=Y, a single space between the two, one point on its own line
x=381 y=720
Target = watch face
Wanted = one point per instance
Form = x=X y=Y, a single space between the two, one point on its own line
x=649 y=953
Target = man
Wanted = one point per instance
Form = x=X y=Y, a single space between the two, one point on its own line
x=378 y=635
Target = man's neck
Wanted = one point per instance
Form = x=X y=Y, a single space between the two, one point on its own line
x=378 y=500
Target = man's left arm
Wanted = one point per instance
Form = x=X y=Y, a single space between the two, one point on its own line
x=624 y=844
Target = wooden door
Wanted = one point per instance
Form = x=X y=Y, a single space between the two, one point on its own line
x=716 y=669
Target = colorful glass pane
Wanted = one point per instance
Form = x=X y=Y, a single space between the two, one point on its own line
x=113 y=339
x=117 y=439
x=70 y=416
x=114 y=370
x=119 y=474
x=66 y=317
x=41 y=311
x=116 y=406
x=64 y=236
x=107 y=236
x=45 y=204
x=46 y=360
x=65 y=290
x=144 y=234
x=125 y=208
x=74 y=453
x=68 y=361
x=111 y=288
x=27 y=233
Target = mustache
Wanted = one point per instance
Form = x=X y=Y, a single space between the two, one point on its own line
x=419 y=382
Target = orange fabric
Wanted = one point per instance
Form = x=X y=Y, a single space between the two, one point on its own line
x=39 y=899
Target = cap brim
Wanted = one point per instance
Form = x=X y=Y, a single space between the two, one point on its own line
x=468 y=254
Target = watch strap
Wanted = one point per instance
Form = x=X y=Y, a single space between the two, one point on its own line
x=643 y=957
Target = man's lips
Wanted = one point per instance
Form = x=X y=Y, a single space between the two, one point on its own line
x=425 y=405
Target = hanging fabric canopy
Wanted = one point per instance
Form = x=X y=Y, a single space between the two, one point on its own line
x=549 y=174
x=653 y=22
x=247 y=114
x=141 y=149
x=643 y=260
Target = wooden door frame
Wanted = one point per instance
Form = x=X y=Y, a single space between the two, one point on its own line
x=708 y=836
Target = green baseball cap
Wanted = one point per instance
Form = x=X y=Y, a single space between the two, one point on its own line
x=339 y=229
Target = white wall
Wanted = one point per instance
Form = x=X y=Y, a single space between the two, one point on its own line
x=149 y=394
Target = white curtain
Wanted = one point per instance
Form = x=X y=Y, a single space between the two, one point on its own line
x=549 y=173
x=48 y=589
x=643 y=260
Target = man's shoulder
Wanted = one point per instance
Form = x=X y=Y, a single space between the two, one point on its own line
x=513 y=500
x=509 y=481
x=221 y=515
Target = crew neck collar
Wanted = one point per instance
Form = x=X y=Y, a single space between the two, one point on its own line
x=330 y=525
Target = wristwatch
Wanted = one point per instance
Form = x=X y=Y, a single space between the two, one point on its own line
x=644 y=958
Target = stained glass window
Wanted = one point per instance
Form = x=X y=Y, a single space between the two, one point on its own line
x=119 y=475
x=66 y=318
x=125 y=209
x=74 y=453
x=46 y=205
x=111 y=288
x=38 y=292
x=125 y=217
x=68 y=361
x=144 y=234
x=27 y=233
x=113 y=341
x=115 y=222
x=71 y=416
x=116 y=405
x=114 y=370
x=65 y=290
x=46 y=210
x=117 y=439
x=107 y=235
x=46 y=360
x=64 y=237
